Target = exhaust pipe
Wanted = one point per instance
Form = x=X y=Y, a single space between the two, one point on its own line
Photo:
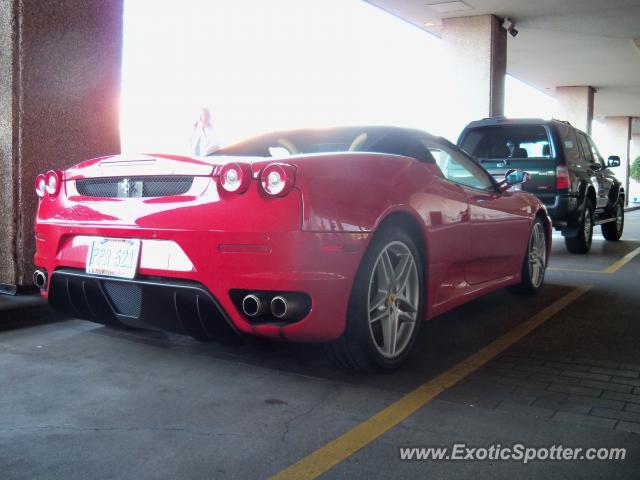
x=290 y=306
x=253 y=305
x=40 y=279
x=279 y=307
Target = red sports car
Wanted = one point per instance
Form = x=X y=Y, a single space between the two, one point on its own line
x=350 y=236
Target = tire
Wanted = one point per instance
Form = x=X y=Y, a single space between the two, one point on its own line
x=534 y=265
x=383 y=318
x=612 y=231
x=581 y=243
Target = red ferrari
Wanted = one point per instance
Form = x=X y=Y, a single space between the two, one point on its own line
x=350 y=236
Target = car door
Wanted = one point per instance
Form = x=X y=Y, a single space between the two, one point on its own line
x=594 y=169
x=499 y=226
x=605 y=181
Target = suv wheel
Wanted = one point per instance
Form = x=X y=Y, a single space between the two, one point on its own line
x=581 y=243
x=612 y=231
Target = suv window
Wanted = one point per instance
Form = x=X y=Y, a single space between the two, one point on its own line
x=507 y=141
x=569 y=143
x=455 y=166
x=596 y=154
x=586 y=148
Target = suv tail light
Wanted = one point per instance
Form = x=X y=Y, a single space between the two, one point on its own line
x=562 y=178
x=277 y=179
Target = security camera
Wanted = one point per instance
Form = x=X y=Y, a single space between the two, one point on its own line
x=509 y=26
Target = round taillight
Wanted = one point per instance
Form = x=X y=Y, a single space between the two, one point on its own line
x=52 y=182
x=41 y=184
x=277 y=179
x=235 y=177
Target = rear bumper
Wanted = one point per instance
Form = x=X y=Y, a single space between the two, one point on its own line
x=563 y=211
x=176 y=306
x=322 y=265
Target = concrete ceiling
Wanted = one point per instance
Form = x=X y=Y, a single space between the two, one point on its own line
x=560 y=43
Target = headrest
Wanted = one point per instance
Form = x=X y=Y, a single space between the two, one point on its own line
x=498 y=151
x=519 y=153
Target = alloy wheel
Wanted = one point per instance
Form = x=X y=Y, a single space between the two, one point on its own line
x=619 y=216
x=537 y=255
x=393 y=299
x=587 y=226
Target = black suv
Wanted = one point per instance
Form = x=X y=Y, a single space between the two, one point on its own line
x=566 y=170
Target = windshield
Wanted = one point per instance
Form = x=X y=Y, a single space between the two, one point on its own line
x=507 y=141
x=395 y=141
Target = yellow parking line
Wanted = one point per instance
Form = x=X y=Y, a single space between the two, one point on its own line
x=613 y=268
x=338 y=450
x=579 y=270
x=622 y=262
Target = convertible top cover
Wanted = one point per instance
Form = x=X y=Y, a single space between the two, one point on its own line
x=376 y=139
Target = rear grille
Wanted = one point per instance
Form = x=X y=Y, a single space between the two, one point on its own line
x=134 y=187
x=126 y=297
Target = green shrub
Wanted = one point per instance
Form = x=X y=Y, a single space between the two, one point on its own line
x=635 y=170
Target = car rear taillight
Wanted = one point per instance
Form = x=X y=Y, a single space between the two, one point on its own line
x=235 y=177
x=41 y=185
x=277 y=179
x=562 y=178
x=53 y=181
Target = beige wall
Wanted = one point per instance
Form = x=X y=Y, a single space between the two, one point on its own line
x=634 y=186
x=575 y=104
x=635 y=146
x=617 y=142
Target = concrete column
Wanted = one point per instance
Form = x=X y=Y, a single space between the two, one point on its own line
x=59 y=94
x=575 y=104
x=476 y=48
x=618 y=131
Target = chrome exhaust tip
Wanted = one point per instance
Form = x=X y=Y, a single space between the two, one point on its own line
x=40 y=279
x=279 y=307
x=252 y=306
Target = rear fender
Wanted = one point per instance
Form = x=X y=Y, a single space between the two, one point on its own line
x=353 y=193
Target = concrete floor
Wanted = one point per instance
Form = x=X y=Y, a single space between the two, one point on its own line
x=78 y=400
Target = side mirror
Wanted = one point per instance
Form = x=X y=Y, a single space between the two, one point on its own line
x=514 y=177
x=613 y=161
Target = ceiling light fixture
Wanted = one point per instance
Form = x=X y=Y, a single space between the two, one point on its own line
x=449 y=7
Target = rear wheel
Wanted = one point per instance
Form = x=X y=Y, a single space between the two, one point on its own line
x=612 y=231
x=535 y=261
x=385 y=307
x=581 y=243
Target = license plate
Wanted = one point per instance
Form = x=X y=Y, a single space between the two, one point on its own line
x=113 y=257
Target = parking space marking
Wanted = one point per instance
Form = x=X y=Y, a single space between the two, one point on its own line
x=338 y=450
x=622 y=262
x=578 y=270
x=613 y=268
